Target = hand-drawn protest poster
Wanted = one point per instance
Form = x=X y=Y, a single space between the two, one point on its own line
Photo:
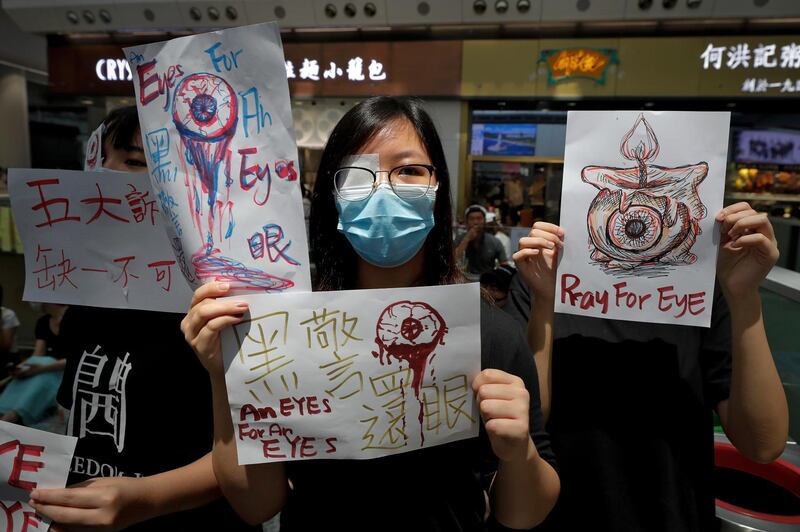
x=218 y=136
x=30 y=459
x=97 y=239
x=353 y=374
x=640 y=237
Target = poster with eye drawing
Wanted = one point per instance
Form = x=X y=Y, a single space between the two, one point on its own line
x=640 y=236
x=30 y=459
x=354 y=374
x=218 y=136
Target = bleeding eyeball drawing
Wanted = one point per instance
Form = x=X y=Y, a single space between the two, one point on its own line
x=410 y=331
x=205 y=113
x=644 y=214
x=204 y=107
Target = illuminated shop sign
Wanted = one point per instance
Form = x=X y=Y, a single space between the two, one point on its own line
x=764 y=146
x=311 y=70
x=572 y=63
x=113 y=70
x=764 y=57
x=741 y=56
x=356 y=70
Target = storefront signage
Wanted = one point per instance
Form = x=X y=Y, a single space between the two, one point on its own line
x=113 y=70
x=742 y=56
x=766 y=56
x=771 y=147
x=89 y=69
x=578 y=63
x=707 y=67
x=763 y=85
x=357 y=69
x=329 y=69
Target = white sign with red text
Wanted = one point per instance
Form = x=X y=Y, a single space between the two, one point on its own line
x=30 y=459
x=643 y=189
x=97 y=239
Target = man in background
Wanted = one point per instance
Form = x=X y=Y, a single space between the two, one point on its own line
x=479 y=251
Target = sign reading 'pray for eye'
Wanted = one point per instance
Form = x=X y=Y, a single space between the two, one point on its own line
x=640 y=237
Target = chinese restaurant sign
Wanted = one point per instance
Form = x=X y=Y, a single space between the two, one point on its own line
x=768 y=61
x=420 y=68
x=578 y=63
x=686 y=66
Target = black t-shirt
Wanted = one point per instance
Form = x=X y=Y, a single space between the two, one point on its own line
x=52 y=341
x=140 y=404
x=631 y=419
x=439 y=488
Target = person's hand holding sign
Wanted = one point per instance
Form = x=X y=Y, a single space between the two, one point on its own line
x=114 y=503
x=97 y=504
x=748 y=250
x=503 y=402
x=206 y=318
x=755 y=414
x=537 y=258
x=242 y=486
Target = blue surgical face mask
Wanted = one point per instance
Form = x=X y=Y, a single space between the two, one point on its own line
x=385 y=229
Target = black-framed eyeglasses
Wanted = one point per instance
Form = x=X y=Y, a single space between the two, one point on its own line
x=408 y=181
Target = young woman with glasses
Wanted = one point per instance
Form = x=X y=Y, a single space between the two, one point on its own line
x=381 y=218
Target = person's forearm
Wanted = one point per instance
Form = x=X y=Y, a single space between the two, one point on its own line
x=58 y=365
x=181 y=489
x=256 y=492
x=524 y=493
x=540 y=340
x=756 y=415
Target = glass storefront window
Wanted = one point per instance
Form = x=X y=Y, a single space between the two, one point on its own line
x=521 y=189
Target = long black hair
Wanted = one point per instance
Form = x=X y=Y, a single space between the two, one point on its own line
x=334 y=257
x=122 y=127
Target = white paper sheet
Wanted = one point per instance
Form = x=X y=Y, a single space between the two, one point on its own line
x=93 y=160
x=353 y=374
x=218 y=136
x=639 y=196
x=30 y=459
x=96 y=238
